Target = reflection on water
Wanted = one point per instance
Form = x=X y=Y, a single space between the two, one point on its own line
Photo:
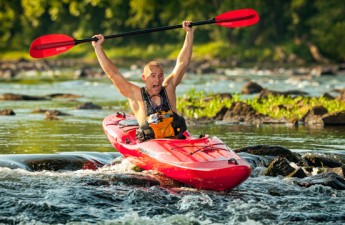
x=86 y=134
x=294 y=138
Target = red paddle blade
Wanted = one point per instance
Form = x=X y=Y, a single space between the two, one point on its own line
x=51 y=44
x=238 y=18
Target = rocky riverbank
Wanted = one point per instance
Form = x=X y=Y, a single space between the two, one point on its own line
x=328 y=110
x=305 y=169
x=241 y=112
x=238 y=112
x=90 y=68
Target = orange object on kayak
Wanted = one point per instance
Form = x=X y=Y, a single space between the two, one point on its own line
x=205 y=162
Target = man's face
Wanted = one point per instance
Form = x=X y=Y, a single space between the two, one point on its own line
x=153 y=79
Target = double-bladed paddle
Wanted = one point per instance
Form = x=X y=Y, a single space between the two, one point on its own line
x=54 y=44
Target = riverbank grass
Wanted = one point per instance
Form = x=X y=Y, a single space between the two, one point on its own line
x=199 y=105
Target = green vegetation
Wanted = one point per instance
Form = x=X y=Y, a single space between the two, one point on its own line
x=198 y=105
x=284 y=34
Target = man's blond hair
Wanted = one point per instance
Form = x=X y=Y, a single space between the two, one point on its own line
x=147 y=69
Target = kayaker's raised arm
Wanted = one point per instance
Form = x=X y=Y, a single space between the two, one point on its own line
x=183 y=58
x=125 y=87
x=154 y=106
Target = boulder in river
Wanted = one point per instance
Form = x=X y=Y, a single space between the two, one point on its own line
x=222 y=96
x=63 y=95
x=313 y=116
x=322 y=160
x=332 y=180
x=319 y=116
x=329 y=168
x=88 y=105
x=265 y=93
x=334 y=119
x=341 y=96
x=251 y=88
x=20 y=97
x=7 y=112
x=271 y=150
x=51 y=112
x=239 y=112
x=281 y=166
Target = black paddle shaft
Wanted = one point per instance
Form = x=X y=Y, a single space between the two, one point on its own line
x=150 y=30
x=165 y=28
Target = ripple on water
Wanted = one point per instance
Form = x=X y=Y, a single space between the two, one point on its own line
x=80 y=196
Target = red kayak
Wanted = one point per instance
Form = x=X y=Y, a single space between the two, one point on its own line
x=204 y=162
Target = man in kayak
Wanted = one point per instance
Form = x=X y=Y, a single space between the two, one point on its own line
x=154 y=105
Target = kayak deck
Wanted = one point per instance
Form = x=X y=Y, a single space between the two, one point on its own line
x=204 y=162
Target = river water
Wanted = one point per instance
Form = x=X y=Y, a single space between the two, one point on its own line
x=43 y=179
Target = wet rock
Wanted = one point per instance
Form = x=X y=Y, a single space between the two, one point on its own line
x=221 y=96
x=135 y=179
x=255 y=160
x=81 y=73
x=341 y=96
x=51 y=117
x=326 y=179
x=205 y=68
x=251 y=88
x=202 y=67
x=220 y=114
x=318 y=111
x=63 y=95
x=299 y=173
x=338 y=170
x=324 y=70
x=7 y=112
x=163 y=180
x=313 y=116
x=54 y=163
x=88 y=105
x=327 y=96
x=334 y=119
x=40 y=110
x=322 y=160
x=269 y=120
x=266 y=93
x=19 y=97
x=280 y=166
x=240 y=112
x=51 y=112
x=7 y=74
x=267 y=150
x=87 y=72
x=319 y=116
x=98 y=182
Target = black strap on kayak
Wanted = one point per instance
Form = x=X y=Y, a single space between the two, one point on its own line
x=232 y=160
x=209 y=148
x=122 y=114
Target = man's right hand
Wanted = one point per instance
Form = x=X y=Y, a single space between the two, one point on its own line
x=98 y=43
